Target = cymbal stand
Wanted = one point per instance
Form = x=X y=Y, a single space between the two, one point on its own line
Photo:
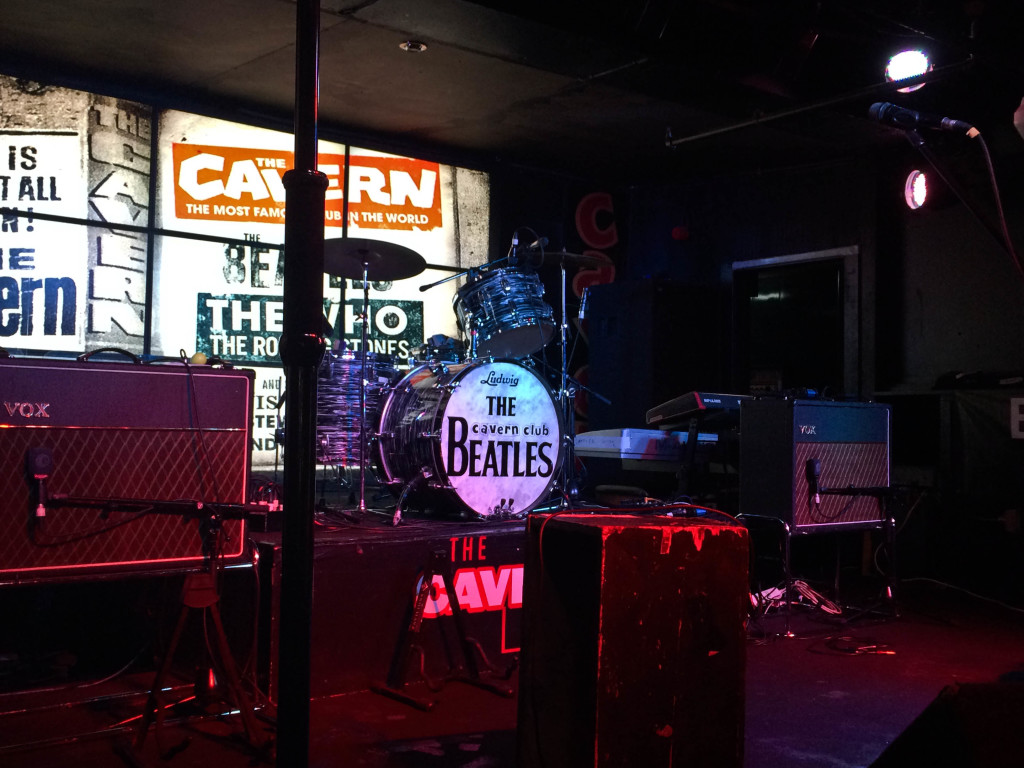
x=569 y=485
x=363 y=343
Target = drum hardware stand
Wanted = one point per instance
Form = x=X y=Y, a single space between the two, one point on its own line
x=343 y=482
x=363 y=344
x=358 y=258
x=570 y=480
x=413 y=485
x=471 y=332
x=409 y=645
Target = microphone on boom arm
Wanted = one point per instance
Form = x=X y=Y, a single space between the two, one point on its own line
x=910 y=119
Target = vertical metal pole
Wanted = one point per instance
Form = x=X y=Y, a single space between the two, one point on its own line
x=364 y=343
x=302 y=347
x=569 y=488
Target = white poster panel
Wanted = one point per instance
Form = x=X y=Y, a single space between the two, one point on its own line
x=44 y=265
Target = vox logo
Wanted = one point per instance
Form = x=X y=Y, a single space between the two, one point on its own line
x=28 y=410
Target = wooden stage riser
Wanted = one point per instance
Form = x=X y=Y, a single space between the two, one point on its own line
x=364 y=585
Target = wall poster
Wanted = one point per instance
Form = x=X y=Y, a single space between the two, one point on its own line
x=64 y=287
x=224 y=180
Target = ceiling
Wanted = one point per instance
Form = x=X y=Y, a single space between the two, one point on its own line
x=583 y=87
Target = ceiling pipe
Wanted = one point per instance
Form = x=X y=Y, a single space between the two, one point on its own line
x=879 y=89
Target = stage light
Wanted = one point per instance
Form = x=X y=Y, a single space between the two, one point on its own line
x=915 y=189
x=909 y=63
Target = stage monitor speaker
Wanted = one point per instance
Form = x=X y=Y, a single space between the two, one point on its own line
x=78 y=437
x=650 y=341
x=633 y=642
x=792 y=452
x=969 y=725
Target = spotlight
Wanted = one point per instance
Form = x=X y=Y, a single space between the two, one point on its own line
x=905 y=64
x=915 y=189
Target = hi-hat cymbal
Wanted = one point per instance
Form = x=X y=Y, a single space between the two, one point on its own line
x=347 y=257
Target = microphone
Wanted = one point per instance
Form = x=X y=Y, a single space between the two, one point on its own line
x=583 y=304
x=908 y=119
x=812 y=470
x=513 y=258
x=537 y=244
x=39 y=465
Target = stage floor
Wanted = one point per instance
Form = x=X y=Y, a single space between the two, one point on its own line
x=836 y=692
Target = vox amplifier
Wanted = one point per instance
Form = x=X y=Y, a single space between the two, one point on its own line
x=814 y=464
x=107 y=468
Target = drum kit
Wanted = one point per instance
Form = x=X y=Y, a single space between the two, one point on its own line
x=471 y=424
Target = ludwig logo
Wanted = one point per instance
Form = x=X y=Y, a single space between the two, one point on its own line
x=808 y=429
x=494 y=379
x=28 y=410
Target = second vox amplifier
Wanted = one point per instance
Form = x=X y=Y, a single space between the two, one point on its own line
x=814 y=464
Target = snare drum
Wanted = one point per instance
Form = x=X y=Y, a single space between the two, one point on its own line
x=486 y=435
x=439 y=349
x=337 y=404
x=506 y=311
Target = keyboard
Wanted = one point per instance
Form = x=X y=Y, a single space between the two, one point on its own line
x=692 y=404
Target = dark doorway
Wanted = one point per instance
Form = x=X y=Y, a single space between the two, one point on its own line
x=790 y=327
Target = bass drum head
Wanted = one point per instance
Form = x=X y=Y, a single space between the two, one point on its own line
x=488 y=432
x=501 y=439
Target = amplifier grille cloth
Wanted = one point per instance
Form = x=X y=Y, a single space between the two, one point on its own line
x=102 y=463
x=861 y=465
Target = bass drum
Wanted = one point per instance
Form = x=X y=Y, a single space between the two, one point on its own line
x=485 y=435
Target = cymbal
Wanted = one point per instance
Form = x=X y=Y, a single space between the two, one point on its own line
x=347 y=256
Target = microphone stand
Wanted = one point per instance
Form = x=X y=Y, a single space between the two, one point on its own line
x=462 y=273
x=570 y=487
x=570 y=482
x=200 y=591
